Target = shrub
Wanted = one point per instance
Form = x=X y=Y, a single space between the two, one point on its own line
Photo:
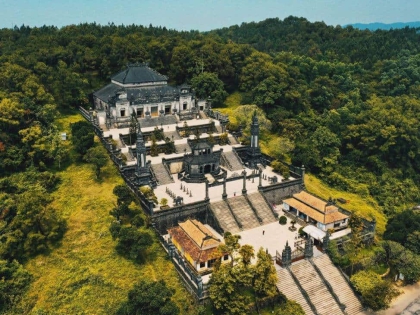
x=281 y=168
x=163 y=202
x=283 y=220
x=300 y=231
x=376 y=292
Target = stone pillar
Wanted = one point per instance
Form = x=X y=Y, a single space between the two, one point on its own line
x=309 y=248
x=224 y=195
x=302 y=172
x=244 y=186
x=207 y=190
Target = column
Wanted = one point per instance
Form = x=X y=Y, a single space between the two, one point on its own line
x=207 y=190
x=244 y=186
x=224 y=195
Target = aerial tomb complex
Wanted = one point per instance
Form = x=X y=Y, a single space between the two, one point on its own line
x=197 y=181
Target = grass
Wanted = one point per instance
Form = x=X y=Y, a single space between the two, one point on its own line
x=84 y=274
x=232 y=102
x=365 y=207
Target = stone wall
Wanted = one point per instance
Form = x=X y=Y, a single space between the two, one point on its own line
x=275 y=193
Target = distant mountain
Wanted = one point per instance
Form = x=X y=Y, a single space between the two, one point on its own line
x=383 y=26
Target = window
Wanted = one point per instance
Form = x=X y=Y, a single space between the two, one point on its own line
x=184 y=106
x=226 y=257
x=122 y=112
x=139 y=112
x=202 y=264
x=167 y=109
x=336 y=225
x=210 y=263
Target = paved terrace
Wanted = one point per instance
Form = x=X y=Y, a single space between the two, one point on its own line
x=198 y=190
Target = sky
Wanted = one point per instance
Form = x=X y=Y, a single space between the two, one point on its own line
x=202 y=15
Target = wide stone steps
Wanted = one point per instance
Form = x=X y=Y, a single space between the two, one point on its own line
x=243 y=212
x=339 y=285
x=288 y=287
x=263 y=209
x=161 y=174
x=232 y=140
x=311 y=282
x=224 y=217
x=235 y=163
x=219 y=129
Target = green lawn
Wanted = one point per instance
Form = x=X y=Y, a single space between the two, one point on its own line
x=84 y=274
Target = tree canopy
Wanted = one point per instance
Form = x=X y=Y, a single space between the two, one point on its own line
x=149 y=298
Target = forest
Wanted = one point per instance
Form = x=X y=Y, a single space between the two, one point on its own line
x=345 y=103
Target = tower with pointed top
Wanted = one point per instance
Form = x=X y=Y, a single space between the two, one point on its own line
x=254 y=152
x=142 y=170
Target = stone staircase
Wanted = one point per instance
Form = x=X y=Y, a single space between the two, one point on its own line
x=287 y=285
x=225 y=218
x=232 y=140
x=263 y=209
x=235 y=163
x=162 y=175
x=339 y=284
x=243 y=212
x=318 y=292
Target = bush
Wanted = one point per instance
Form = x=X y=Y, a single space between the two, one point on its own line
x=376 y=292
x=300 y=231
x=149 y=297
x=283 y=220
x=281 y=168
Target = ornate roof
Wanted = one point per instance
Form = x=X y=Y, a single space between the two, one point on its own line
x=196 y=240
x=137 y=74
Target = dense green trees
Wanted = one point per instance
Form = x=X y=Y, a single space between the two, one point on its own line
x=233 y=284
x=206 y=85
x=400 y=260
x=149 y=298
x=14 y=279
x=404 y=228
x=345 y=103
x=31 y=225
x=82 y=136
x=376 y=293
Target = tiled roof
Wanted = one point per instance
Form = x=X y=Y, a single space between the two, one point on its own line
x=314 y=202
x=201 y=235
x=314 y=214
x=189 y=235
x=138 y=94
x=137 y=74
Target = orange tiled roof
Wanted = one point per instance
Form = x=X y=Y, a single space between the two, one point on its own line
x=314 y=202
x=196 y=240
x=321 y=217
x=191 y=248
x=200 y=234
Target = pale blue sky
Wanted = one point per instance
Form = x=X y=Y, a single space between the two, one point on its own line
x=202 y=15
